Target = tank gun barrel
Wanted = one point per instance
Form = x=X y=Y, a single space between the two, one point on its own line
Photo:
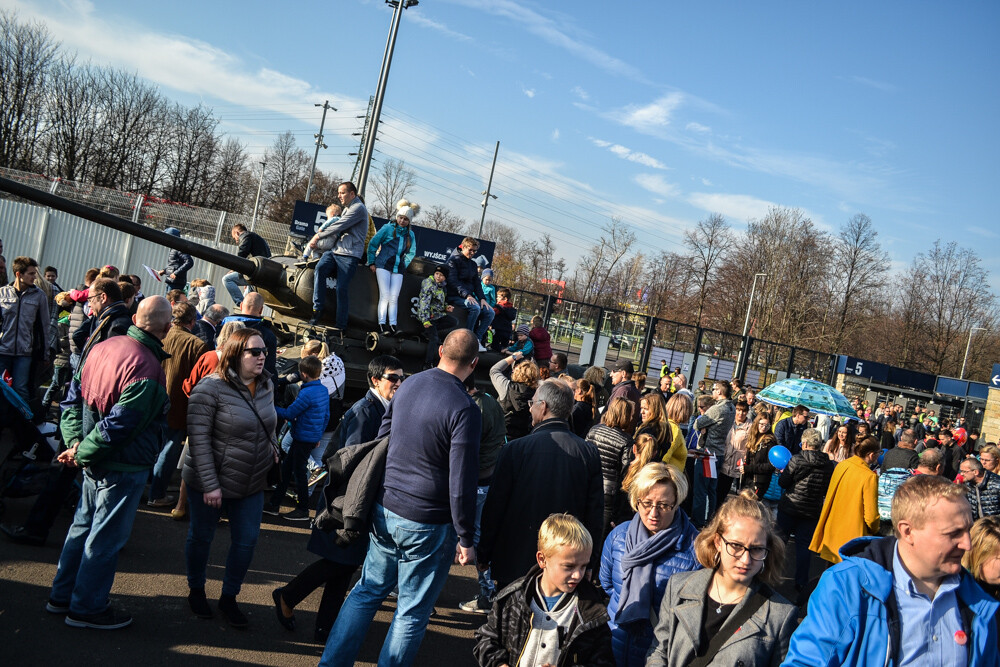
x=259 y=269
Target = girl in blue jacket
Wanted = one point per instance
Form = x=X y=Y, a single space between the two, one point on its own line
x=389 y=253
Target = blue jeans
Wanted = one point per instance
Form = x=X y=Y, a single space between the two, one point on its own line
x=244 y=527
x=166 y=463
x=20 y=370
x=486 y=587
x=101 y=527
x=343 y=266
x=60 y=376
x=417 y=557
x=476 y=313
x=705 y=497
x=233 y=281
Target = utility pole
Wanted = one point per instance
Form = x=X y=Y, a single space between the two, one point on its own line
x=319 y=142
x=260 y=186
x=364 y=136
x=961 y=376
x=487 y=193
x=742 y=359
x=383 y=79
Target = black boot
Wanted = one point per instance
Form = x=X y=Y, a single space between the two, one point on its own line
x=384 y=329
x=229 y=609
x=199 y=603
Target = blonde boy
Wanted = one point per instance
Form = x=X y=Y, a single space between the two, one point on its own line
x=553 y=615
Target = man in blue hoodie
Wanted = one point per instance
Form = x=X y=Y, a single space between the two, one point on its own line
x=903 y=600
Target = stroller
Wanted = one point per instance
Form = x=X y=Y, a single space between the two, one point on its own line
x=25 y=470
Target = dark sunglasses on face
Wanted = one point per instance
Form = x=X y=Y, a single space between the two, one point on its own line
x=392 y=377
x=255 y=351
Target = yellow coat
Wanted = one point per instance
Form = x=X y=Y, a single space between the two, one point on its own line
x=678 y=453
x=849 y=511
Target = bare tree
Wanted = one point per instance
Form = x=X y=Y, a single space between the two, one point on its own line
x=73 y=116
x=858 y=269
x=27 y=53
x=287 y=166
x=440 y=218
x=707 y=243
x=390 y=183
x=600 y=262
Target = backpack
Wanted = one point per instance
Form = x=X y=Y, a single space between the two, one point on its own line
x=888 y=482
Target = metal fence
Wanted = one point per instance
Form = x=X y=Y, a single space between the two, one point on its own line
x=194 y=222
x=590 y=334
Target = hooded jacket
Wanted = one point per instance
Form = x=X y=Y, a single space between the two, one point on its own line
x=396 y=247
x=23 y=316
x=853 y=617
x=178 y=263
x=463 y=277
x=309 y=412
x=349 y=230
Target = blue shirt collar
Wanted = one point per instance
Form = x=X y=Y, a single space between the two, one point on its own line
x=903 y=582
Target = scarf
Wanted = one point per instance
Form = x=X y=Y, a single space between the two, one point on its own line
x=643 y=552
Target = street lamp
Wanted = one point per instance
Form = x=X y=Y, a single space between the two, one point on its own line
x=961 y=376
x=260 y=185
x=741 y=361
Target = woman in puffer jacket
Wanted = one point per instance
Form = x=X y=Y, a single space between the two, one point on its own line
x=641 y=555
x=231 y=420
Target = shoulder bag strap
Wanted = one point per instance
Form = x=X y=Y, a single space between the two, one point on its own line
x=256 y=414
x=732 y=624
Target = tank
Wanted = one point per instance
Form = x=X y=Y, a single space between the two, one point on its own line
x=286 y=284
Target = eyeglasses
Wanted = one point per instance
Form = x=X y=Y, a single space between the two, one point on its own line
x=255 y=351
x=736 y=550
x=392 y=377
x=92 y=297
x=533 y=401
x=648 y=506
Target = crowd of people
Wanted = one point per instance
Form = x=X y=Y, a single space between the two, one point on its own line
x=612 y=519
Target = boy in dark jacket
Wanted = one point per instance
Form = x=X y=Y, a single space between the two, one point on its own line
x=805 y=480
x=308 y=414
x=553 y=615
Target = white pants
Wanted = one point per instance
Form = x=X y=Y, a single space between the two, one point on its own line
x=389 y=285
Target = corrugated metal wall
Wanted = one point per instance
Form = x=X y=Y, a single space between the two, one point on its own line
x=73 y=245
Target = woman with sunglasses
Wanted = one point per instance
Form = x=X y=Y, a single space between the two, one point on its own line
x=728 y=613
x=231 y=420
x=641 y=555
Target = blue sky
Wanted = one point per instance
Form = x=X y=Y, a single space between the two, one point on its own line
x=659 y=112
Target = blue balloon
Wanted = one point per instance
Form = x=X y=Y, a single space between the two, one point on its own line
x=779 y=456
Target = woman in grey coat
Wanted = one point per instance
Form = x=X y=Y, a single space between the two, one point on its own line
x=230 y=423
x=727 y=613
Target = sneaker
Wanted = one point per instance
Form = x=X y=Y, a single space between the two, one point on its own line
x=19 y=535
x=165 y=501
x=482 y=348
x=229 y=609
x=272 y=510
x=54 y=607
x=297 y=514
x=315 y=319
x=478 y=605
x=199 y=603
x=317 y=476
x=109 y=619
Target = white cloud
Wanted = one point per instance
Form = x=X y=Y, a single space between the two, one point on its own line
x=697 y=127
x=628 y=154
x=414 y=16
x=980 y=231
x=658 y=185
x=739 y=207
x=581 y=93
x=649 y=118
x=555 y=134
x=529 y=92
x=707 y=183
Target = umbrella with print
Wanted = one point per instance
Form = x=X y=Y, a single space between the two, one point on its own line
x=818 y=397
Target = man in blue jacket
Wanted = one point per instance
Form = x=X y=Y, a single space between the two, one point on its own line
x=903 y=600
x=178 y=265
x=362 y=421
x=789 y=431
x=466 y=290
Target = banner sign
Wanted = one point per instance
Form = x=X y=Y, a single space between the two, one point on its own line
x=433 y=246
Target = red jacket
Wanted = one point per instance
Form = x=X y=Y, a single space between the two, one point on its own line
x=540 y=339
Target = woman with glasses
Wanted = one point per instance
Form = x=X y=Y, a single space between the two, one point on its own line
x=231 y=420
x=728 y=613
x=641 y=555
x=757 y=468
x=989 y=456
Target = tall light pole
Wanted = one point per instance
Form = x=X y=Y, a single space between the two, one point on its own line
x=319 y=143
x=260 y=186
x=489 y=185
x=383 y=78
x=961 y=376
x=741 y=361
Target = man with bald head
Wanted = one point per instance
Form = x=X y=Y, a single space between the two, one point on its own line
x=250 y=315
x=113 y=423
x=427 y=503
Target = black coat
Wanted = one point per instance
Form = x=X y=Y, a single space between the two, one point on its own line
x=805 y=481
x=550 y=470
x=500 y=640
x=757 y=468
x=252 y=244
